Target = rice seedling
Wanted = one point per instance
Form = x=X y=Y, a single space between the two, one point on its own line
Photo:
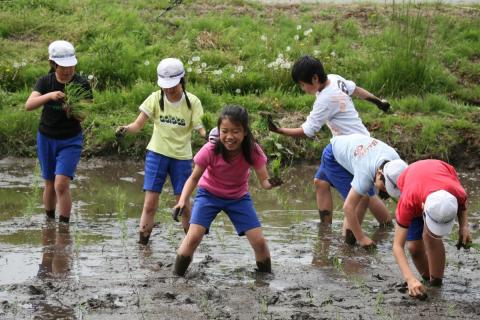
x=74 y=103
x=33 y=197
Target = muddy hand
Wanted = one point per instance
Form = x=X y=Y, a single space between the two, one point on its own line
x=416 y=289
x=275 y=181
x=465 y=245
x=177 y=211
x=120 y=132
x=271 y=125
x=384 y=105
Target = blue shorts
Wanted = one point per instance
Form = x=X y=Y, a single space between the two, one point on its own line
x=157 y=167
x=240 y=211
x=332 y=172
x=58 y=156
x=415 y=229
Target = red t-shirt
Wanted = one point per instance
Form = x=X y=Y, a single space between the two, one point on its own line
x=419 y=180
x=227 y=180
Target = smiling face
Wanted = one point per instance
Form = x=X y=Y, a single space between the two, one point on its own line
x=232 y=135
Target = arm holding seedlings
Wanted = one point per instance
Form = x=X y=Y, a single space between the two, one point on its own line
x=133 y=127
x=265 y=181
x=190 y=185
x=415 y=287
x=361 y=93
x=36 y=99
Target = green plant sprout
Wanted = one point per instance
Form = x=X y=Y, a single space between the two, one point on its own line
x=74 y=102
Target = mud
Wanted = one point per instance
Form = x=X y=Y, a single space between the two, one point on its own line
x=94 y=269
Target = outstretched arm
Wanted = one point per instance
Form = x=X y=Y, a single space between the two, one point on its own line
x=353 y=203
x=361 y=93
x=265 y=182
x=133 y=127
x=415 y=287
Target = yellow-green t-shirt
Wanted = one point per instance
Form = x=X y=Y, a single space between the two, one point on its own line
x=172 y=129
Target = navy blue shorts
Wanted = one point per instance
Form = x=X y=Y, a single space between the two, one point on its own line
x=157 y=167
x=240 y=211
x=332 y=172
x=58 y=156
x=415 y=229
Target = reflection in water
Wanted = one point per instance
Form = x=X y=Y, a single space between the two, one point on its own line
x=56 y=253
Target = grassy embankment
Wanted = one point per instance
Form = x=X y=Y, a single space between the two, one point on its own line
x=424 y=59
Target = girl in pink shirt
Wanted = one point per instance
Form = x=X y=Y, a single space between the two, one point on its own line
x=221 y=171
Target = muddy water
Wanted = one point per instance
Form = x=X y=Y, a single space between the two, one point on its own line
x=95 y=270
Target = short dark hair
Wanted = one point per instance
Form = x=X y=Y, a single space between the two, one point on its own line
x=306 y=67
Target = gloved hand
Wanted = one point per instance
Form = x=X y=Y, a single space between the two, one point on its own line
x=177 y=211
x=384 y=105
x=271 y=125
x=121 y=131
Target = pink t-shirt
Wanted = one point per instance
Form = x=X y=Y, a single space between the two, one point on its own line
x=227 y=180
x=419 y=180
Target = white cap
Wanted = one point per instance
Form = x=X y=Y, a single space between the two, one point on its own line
x=391 y=172
x=440 y=209
x=170 y=71
x=62 y=53
x=213 y=136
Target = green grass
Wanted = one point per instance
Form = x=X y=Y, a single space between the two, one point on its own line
x=424 y=58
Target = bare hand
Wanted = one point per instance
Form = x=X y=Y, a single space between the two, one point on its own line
x=121 y=131
x=366 y=243
x=415 y=288
x=56 y=95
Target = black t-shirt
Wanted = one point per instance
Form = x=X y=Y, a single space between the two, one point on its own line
x=54 y=122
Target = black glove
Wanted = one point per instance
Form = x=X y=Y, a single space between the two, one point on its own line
x=271 y=125
x=177 y=212
x=121 y=132
x=384 y=105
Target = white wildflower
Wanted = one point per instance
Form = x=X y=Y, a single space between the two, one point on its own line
x=198 y=70
x=333 y=53
x=190 y=62
x=288 y=48
x=217 y=72
x=146 y=62
x=286 y=65
x=296 y=37
x=239 y=69
x=16 y=65
x=204 y=65
x=307 y=32
x=299 y=27
x=316 y=52
x=189 y=69
x=90 y=77
x=238 y=91
x=195 y=58
x=263 y=37
x=232 y=75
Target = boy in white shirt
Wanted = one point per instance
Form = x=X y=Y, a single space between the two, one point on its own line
x=334 y=107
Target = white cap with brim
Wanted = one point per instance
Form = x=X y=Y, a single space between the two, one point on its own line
x=391 y=172
x=170 y=71
x=440 y=210
x=62 y=53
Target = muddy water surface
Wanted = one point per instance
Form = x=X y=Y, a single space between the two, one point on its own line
x=95 y=269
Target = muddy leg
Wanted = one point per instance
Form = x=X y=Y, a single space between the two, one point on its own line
x=49 y=199
x=419 y=257
x=260 y=247
x=187 y=248
x=324 y=200
x=147 y=219
x=62 y=191
x=360 y=211
x=436 y=257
